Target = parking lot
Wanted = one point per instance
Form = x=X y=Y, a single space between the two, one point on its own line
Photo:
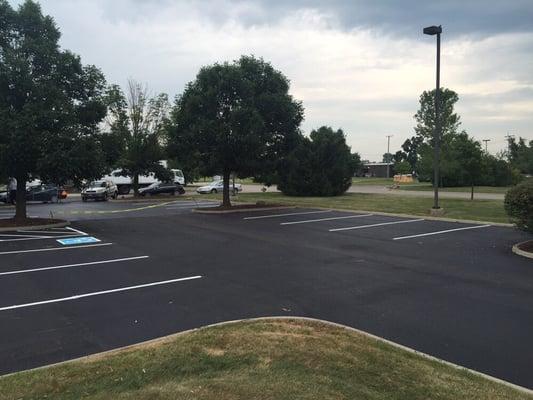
x=452 y=290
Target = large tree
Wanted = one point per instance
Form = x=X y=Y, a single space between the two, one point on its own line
x=50 y=104
x=321 y=165
x=136 y=123
x=425 y=116
x=520 y=154
x=238 y=118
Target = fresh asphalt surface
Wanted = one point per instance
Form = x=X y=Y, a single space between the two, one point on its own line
x=451 y=290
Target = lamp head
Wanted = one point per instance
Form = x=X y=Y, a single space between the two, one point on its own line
x=433 y=30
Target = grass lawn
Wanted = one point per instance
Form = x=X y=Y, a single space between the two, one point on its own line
x=268 y=359
x=478 y=210
x=425 y=186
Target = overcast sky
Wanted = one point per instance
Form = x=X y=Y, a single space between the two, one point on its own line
x=359 y=65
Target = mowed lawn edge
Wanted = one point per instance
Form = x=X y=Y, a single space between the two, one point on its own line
x=461 y=209
x=258 y=359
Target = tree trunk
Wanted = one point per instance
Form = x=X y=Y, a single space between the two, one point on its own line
x=20 y=213
x=472 y=193
x=136 y=185
x=225 y=192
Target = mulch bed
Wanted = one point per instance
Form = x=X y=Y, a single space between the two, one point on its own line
x=12 y=223
x=527 y=246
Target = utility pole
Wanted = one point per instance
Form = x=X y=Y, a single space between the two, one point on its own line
x=388 y=152
x=486 y=143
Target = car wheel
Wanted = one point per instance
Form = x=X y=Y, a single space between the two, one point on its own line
x=115 y=195
x=84 y=199
x=54 y=199
x=105 y=197
x=214 y=191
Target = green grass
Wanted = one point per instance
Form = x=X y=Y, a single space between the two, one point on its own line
x=424 y=186
x=268 y=359
x=478 y=210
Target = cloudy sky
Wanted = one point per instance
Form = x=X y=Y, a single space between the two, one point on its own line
x=356 y=64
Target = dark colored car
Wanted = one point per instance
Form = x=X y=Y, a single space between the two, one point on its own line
x=160 y=188
x=46 y=193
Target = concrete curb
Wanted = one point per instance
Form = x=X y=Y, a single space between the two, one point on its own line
x=522 y=253
x=48 y=226
x=241 y=210
x=170 y=338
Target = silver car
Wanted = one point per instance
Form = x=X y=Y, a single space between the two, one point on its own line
x=218 y=186
x=100 y=190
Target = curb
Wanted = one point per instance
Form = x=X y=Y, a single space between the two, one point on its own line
x=48 y=226
x=522 y=253
x=240 y=210
x=169 y=338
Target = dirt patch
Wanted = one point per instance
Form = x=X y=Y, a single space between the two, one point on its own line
x=13 y=223
x=526 y=246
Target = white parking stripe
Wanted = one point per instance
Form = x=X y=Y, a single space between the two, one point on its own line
x=16 y=235
x=325 y=219
x=75 y=230
x=23 y=237
x=24 y=271
x=287 y=215
x=54 y=248
x=81 y=296
x=440 y=232
x=373 y=225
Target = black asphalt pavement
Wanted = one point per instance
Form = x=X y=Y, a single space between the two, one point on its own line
x=451 y=290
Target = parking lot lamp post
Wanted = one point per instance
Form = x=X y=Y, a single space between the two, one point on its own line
x=436 y=30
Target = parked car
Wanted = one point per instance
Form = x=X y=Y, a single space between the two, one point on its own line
x=218 y=186
x=160 y=187
x=100 y=190
x=44 y=193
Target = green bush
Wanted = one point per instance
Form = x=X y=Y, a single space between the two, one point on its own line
x=519 y=205
x=321 y=165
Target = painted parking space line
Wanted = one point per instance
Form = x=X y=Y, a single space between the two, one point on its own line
x=288 y=214
x=116 y=260
x=374 y=225
x=102 y=292
x=53 y=249
x=441 y=232
x=325 y=219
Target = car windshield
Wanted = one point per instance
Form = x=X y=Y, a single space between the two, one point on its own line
x=153 y=185
x=215 y=183
x=97 y=184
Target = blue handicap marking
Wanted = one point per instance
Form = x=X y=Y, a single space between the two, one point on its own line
x=78 y=240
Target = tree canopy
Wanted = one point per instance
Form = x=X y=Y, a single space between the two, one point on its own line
x=50 y=104
x=321 y=165
x=237 y=118
x=136 y=123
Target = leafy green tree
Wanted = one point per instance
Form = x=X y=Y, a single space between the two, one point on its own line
x=520 y=155
x=409 y=152
x=137 y=123
x=461 y=162
x=402 y=167
x=425 y=116
x=50 y=104
x=388 y=158
x=321 y=165
x=238 y=117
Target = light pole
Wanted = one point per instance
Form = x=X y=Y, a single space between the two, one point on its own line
x=388 y=153
x=486 y=145
x=436 y=30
